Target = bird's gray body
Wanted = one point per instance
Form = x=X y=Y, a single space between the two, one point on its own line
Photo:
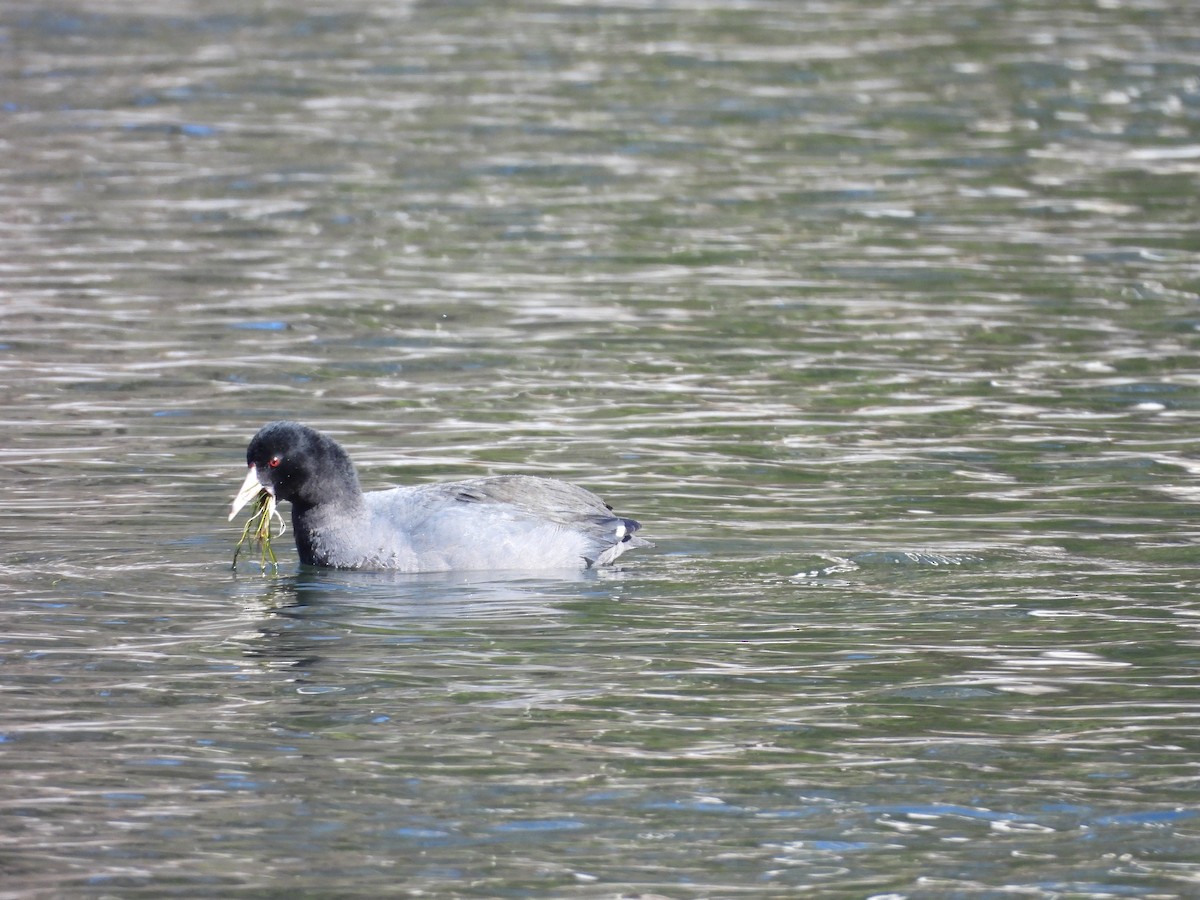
x=503 y=522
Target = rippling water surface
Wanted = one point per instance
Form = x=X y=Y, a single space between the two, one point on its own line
x=881 y=317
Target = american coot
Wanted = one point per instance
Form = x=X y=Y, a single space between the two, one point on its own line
x=500 y=522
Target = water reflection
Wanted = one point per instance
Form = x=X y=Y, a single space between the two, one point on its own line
x=306 y=613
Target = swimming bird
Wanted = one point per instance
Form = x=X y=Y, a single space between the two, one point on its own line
x=497 y=522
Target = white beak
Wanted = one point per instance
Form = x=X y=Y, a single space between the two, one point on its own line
x=250 y=489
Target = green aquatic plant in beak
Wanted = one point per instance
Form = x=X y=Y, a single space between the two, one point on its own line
x=258 y=526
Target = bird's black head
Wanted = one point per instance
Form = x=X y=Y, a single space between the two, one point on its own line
x=297 y=463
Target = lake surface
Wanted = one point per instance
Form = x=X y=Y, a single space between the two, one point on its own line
x=882 y=318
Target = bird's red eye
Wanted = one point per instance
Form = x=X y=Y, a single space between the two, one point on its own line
x=274 y=462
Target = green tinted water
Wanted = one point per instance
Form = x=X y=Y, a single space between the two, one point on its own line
x=881 y=318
